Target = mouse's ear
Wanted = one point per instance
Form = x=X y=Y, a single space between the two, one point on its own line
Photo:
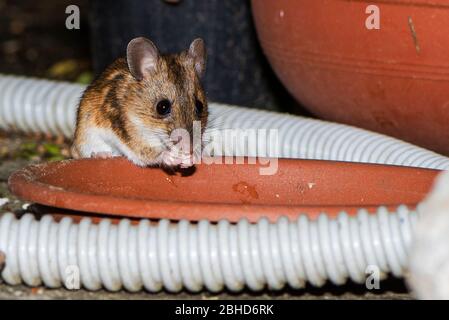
x=142 y=56
x=197 y=52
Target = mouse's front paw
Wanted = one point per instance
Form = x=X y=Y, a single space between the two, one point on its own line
x=101 y=155
x=173 y=159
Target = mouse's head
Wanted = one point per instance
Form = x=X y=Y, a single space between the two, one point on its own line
x=169 y=101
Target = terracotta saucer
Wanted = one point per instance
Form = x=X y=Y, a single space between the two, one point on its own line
x=216 y=191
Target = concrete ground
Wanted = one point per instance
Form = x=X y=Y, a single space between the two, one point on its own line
x=17 y=151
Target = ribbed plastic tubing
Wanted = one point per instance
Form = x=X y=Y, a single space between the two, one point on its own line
x=205 y=255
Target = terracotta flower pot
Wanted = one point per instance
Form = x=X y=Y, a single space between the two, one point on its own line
x=393 y=80
x=231 y=191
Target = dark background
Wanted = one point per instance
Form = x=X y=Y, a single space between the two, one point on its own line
x=33 y=39
x=35 y=42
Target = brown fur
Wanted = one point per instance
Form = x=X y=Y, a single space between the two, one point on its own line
x=115 y=94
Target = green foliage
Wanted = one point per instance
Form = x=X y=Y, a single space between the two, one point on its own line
x=31 y=150
x=52 y=152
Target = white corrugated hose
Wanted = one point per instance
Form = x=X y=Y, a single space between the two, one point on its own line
x=214 y=256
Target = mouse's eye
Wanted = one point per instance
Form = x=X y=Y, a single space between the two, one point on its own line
x=198 y=107
x=163 y=107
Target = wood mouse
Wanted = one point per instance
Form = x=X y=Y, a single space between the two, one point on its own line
x=133 y=108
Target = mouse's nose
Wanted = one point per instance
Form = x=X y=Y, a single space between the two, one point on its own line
x=177 y=140
x=184 y=145
x=182 y=138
